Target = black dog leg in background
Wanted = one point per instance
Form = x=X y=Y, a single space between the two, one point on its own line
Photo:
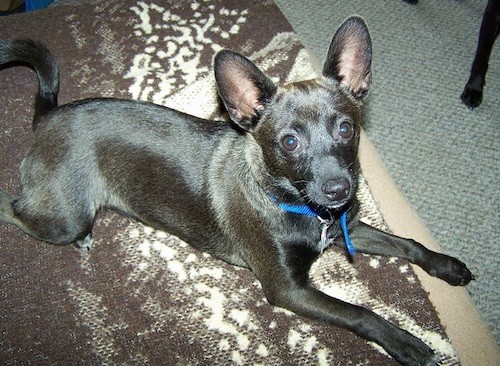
x=472 y=95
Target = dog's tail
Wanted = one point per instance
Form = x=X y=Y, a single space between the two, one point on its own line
x=39 y=58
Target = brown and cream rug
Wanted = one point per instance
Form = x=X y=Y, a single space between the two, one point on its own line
x=142 y=296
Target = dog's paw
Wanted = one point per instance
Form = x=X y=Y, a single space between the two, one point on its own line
x=472 y=97
x=434 y=361
x=411 y=351
x=451 y=270
x=419 y=357
x=84 y=245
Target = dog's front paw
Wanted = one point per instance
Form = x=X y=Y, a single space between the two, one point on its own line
x=419 y=357
x=450 y=269
x=411 y=351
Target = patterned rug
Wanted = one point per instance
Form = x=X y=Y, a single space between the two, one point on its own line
x=142 y=296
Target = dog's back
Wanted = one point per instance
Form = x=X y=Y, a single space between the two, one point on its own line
x=152 y=163
x=130 y=156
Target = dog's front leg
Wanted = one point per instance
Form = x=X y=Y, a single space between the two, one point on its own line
x=283 y=273
x=373 y=241
x=309 y=302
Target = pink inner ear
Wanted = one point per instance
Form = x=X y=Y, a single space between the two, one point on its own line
x=246 y=100
x=351 y=69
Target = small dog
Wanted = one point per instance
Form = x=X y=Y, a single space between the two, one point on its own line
x=269 y=191
x=472 y=96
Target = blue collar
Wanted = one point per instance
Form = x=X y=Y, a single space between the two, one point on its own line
x=309 y=211
x=298 y=209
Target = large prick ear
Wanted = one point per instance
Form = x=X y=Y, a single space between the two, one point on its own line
x=244 y=89
x=349 y=57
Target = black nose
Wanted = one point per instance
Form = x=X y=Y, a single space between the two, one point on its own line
x=337 y=189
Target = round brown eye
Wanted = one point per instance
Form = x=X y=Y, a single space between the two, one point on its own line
x=290 y=142
x=346 y=130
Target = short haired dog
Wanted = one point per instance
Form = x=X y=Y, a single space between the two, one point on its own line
x=268 y=191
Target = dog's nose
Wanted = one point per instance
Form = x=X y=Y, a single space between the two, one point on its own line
x=337 y=189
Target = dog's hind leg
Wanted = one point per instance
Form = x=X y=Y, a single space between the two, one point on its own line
x=47 y=221
x=6 y=213
x=369 y=240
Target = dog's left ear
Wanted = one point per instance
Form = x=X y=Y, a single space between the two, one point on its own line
x=244 y=89
x=349 y=57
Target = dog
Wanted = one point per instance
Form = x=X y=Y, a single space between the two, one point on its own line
x=472 y=96
x=269 y=191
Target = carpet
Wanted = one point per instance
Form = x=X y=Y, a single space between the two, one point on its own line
x=142 y=296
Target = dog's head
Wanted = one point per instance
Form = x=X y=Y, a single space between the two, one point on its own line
x=308 y=131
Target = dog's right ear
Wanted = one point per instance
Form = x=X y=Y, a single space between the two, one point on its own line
x=349 y=58
x=244 y=89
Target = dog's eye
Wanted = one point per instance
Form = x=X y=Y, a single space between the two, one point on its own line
x=346 y=130
x=290 y=142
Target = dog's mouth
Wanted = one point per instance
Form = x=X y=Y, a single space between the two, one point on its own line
x=330 y=206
